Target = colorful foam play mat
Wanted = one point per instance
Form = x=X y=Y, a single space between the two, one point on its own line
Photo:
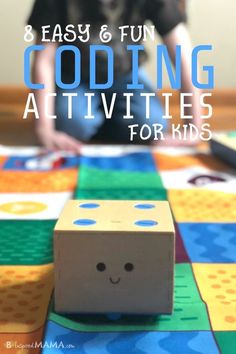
x=34 y=187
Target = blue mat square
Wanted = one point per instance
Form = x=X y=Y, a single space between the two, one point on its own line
x=209 y=242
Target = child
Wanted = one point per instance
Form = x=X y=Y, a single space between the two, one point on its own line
x=67 y=134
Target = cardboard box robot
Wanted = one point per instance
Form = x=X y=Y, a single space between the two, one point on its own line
x=114 y=257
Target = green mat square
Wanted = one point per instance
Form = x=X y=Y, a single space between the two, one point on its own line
x=26 y=242
x=226 y=342
x=190 y=312
x=94 y=183
x=93 y=178
x=122 y=194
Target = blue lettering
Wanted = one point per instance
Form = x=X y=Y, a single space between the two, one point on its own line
x=208 y=69
x=175 y=80
x=27 y=75
x=77 y=67
x=110 y=67
x=135 y=67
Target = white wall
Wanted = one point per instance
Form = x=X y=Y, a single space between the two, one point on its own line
x=210 y=22
x=12 y=21
x=214 y=22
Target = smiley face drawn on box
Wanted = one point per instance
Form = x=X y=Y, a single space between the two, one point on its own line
x=101 y=267
x=114 y=257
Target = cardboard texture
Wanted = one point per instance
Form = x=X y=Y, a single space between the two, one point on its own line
x=111 y=256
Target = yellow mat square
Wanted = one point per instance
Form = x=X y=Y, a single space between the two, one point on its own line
x=217 y=285
x=202 y=206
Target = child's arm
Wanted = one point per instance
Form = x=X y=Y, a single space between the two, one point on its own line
x=43 y=72
x=179 y=35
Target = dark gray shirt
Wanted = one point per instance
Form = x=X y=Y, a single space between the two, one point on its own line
x=164 y=14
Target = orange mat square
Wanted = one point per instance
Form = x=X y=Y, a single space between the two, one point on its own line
x=21 y=343
x=25 y=293
x=38 y=182
x=2 y=160
x=167 y=162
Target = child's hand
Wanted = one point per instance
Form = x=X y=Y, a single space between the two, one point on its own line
x=54 y=140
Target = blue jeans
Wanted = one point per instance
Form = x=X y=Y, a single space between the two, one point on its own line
x=108 y=130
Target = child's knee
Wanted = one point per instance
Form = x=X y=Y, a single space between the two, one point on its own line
x=157 y=113
x=149 y=113
x=76 y=124
x=148 y=125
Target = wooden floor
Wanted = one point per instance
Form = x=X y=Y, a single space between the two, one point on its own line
x=16 y=131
